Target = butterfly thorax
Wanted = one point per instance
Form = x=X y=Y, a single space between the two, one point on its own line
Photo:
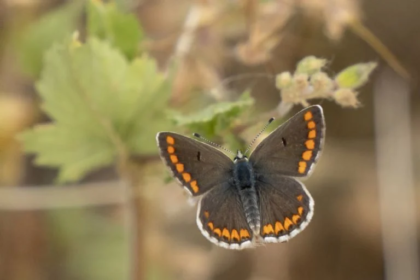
x=244 y=179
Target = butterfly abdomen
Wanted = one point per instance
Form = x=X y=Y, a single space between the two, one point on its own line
x=245 y=182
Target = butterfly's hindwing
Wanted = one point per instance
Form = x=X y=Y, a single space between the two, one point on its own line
x=293 y=148
x=197 y=166
x=221 y=218
x=286 y=207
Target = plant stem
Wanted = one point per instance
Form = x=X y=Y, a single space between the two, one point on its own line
x=131 y=172
x=370 y=38
x=132 y=232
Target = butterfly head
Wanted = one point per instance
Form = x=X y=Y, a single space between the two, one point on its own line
x=240 y=157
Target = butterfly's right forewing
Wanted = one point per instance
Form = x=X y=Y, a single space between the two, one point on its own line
x=197 y=166
x=293 y=148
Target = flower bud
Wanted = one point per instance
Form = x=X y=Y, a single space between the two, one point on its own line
x=346 y=97
x=310 y=65
x=283 y=80
x=300 y=83
x=321 y=83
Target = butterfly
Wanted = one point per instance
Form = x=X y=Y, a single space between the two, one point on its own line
x=245 y=202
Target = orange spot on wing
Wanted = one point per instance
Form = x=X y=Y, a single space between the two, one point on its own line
x=179 y=167
x=308 y=116
x=299 y=197
x=170 y=140
x=171 y=149
x=302 y=167
x=186 y=176
x=210 y=225
x=296 y=219
x=311 y=125
x=234 y=235
x=244 y=234
x=312 y=134
x=225 y=234
x=174 y=159
x=310 y=144
x=287 y=223
x=193 y=184
x=307 y=155
x=300 y=210
x=268 y=229
x=278 y=227
x=206 y=214
x=218 y=232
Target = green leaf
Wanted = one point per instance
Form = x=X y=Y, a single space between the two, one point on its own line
x=101 y=105
x=126 y=5
x=40 y=36
x=355 y=76
x=216 y=117
x=76 y=153
x=107 y=22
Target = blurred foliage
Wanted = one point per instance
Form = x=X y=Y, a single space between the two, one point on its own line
x=100 y=104
x=88 y=237
x=16 y=114
x=122 y=31
x=215 y=118
x=40 y=36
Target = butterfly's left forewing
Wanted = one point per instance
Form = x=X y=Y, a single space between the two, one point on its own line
x=197 y=166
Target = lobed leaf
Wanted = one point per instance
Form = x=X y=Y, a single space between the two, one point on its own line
x=99 y=103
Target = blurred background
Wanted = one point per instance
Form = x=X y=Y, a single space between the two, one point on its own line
x=366 y=186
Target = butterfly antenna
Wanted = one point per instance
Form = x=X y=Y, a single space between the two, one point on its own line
x=259 y=134
x=213 y=144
